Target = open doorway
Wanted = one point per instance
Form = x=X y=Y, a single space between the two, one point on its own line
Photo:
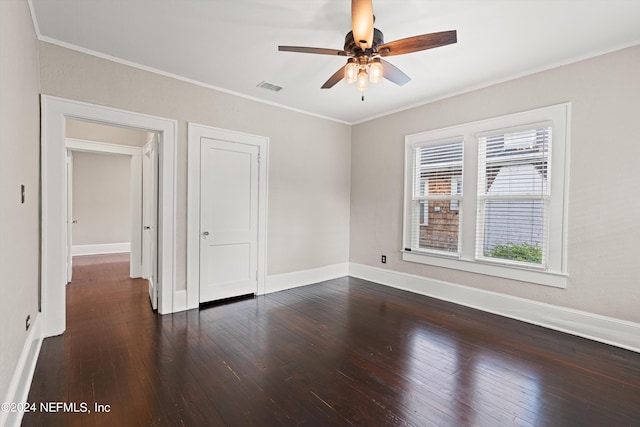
x=111 y=195
x=55 y=112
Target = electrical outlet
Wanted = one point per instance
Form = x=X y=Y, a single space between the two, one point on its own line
x=27 y=322
x=383 y=259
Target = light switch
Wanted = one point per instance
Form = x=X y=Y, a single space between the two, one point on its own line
x=22 y=193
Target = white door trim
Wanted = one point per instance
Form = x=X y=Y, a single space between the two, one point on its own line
x=54 y=236
x=135 y=154
x=194 y=134
x=69 y=206
x=149 y=212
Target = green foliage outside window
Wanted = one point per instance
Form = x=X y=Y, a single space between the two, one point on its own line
x=523 y=252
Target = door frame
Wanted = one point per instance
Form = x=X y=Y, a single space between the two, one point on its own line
x=69 y=199
x=54 y=112
x=195 y=133
x=149 y=226
x=135 y=188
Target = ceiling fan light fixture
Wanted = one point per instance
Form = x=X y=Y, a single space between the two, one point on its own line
x=363 y=80
x=364 y=46
x=351 y=71
x=375 y=70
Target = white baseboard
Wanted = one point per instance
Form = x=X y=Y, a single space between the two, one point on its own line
x=604 y=329
x=21 y=381
x=106 y=248
x=281 y=282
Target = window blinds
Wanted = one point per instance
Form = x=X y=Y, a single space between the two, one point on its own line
x=436 y=199
x=513 y=195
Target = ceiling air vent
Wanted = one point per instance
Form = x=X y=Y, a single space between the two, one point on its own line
x=269 y=86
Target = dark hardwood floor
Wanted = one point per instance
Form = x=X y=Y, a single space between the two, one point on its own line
x=343 y=352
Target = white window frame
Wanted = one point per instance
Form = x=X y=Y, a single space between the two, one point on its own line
x=554 y=273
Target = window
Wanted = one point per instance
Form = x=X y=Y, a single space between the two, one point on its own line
x=490 y=196
x=513 y=195
x=436 y=169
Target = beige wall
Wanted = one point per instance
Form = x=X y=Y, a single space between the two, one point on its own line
x=309 y=177
x=101 y=184
x=19 y=165
x=101 y=198
x=604 y=194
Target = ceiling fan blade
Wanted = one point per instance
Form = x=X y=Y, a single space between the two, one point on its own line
x=418 y=43
x=362 y=22
x=316 y=50
x=337 y=76
x=393 y=73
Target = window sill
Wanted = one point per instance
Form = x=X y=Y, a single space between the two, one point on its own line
x=546 y=278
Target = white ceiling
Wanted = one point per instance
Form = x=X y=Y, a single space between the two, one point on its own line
x=232 y=44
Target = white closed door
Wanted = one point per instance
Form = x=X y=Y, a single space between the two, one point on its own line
x=229 y=183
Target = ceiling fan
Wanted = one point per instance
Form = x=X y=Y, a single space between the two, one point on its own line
x=365 y=47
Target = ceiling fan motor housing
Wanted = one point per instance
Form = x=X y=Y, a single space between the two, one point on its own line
x=354 y=49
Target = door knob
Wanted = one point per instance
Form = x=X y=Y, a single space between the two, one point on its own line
x=147 y=227
x=206 y=233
